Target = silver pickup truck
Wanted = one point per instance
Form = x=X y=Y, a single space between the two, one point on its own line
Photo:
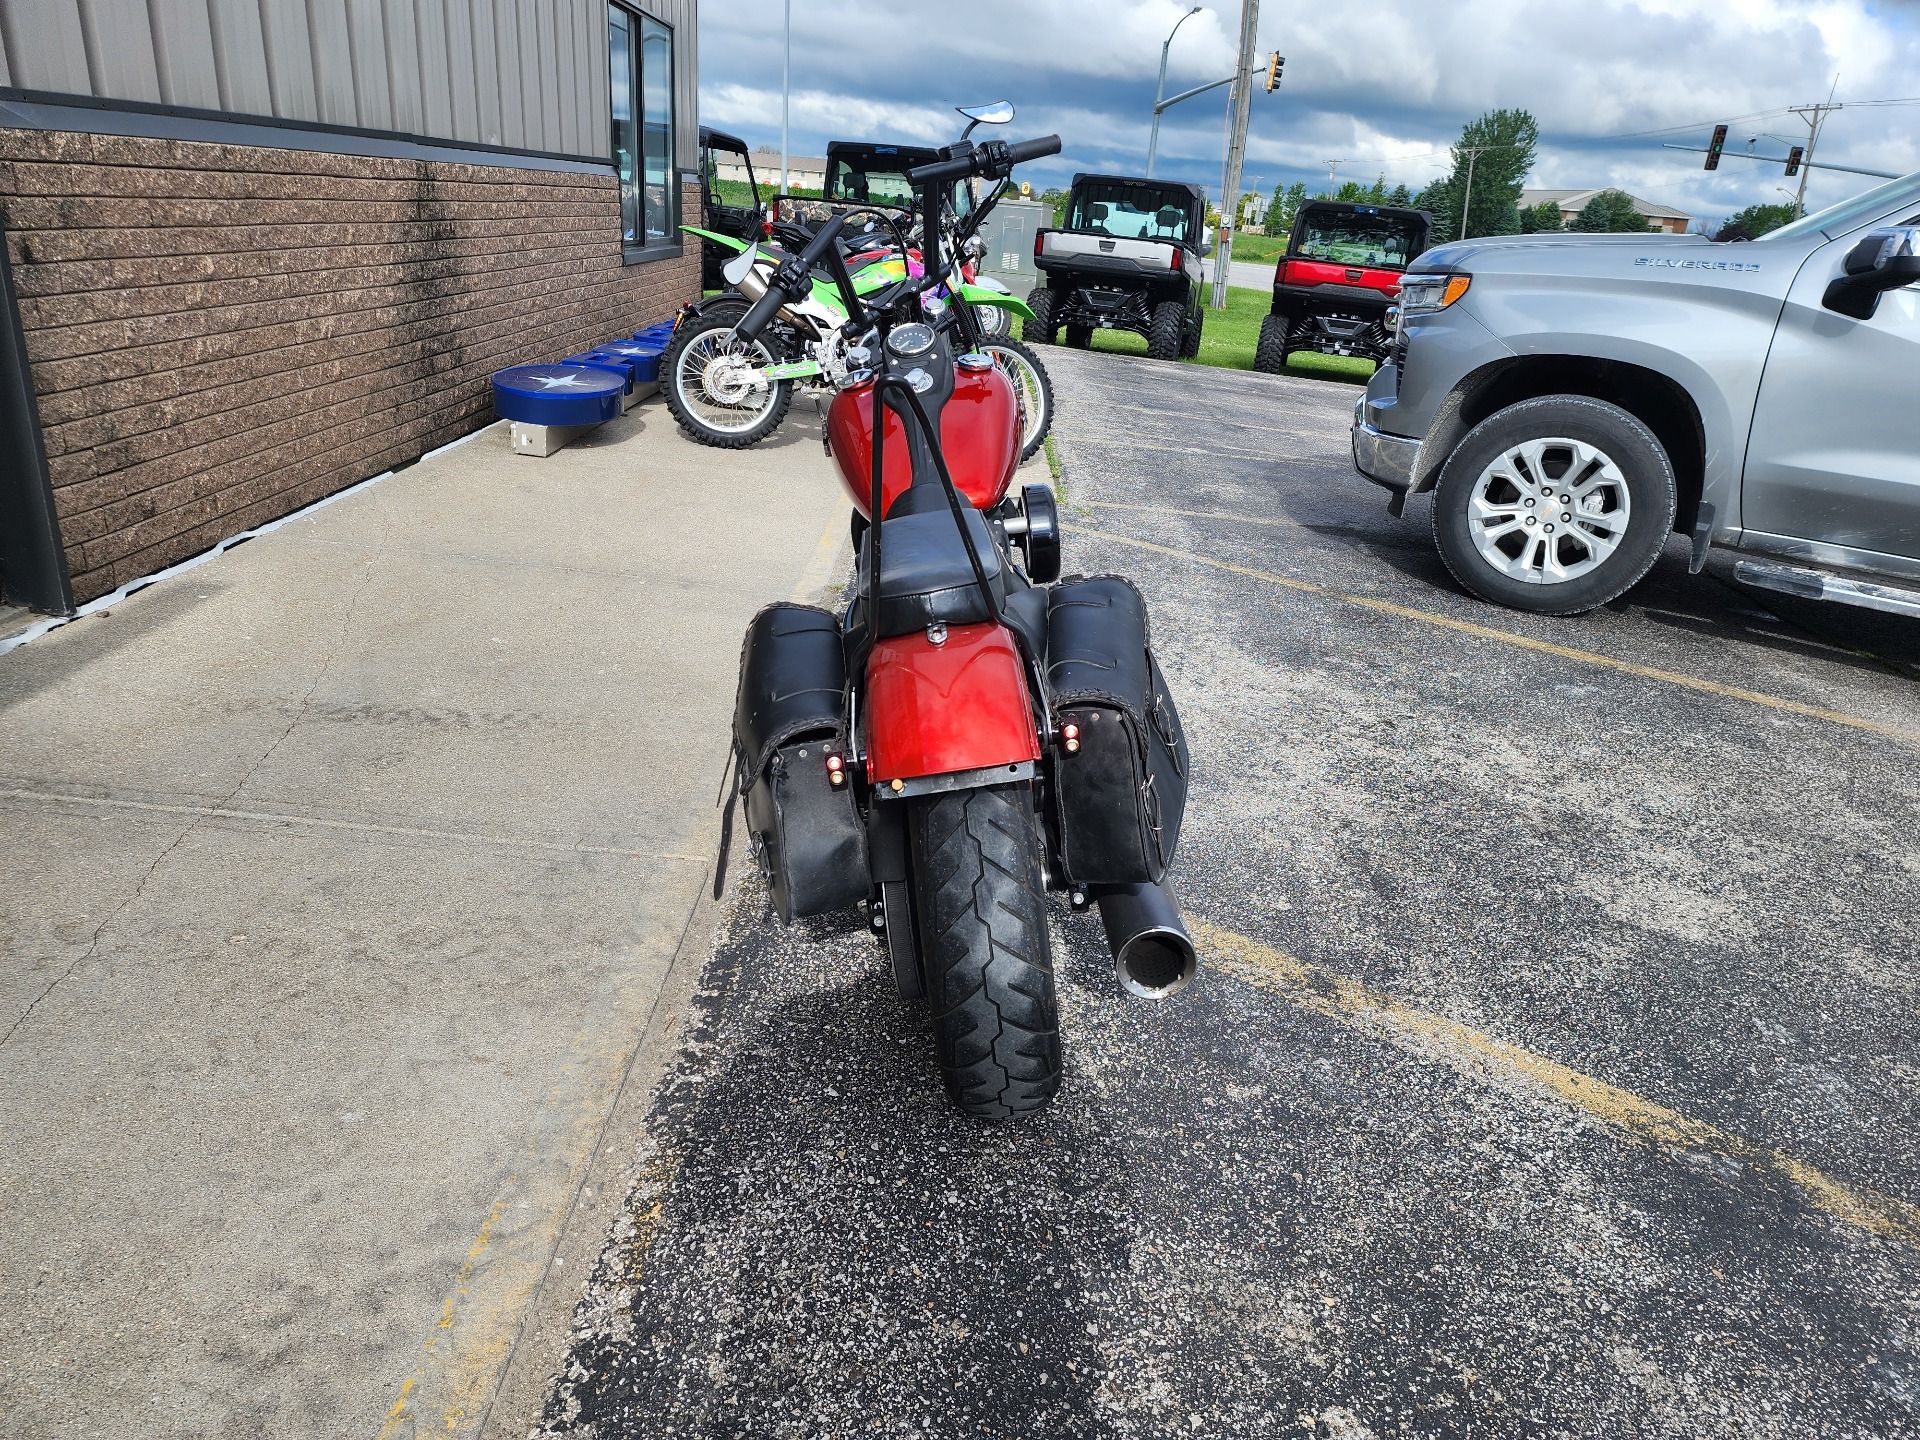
x=1573 y=400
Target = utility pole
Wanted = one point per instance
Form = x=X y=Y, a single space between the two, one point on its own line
x=1473 y=155
x=1236 y=150
x=1816 y=118
x=786 y=91
x=1333 y=167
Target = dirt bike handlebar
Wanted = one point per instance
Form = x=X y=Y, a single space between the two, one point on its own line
x=790 y=281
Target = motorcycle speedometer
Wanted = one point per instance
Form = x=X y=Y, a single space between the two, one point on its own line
x=912 y=339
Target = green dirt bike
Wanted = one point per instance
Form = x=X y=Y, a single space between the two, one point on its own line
x=727 y=392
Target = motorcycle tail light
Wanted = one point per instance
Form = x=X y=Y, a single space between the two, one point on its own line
x=836 y=770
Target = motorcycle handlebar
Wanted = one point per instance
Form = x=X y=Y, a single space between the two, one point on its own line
x=992 y=158
x=1022 y=151
x=768 y=305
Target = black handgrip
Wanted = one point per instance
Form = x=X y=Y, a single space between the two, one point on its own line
x=942 y=170
x=761 y=315
x=1022 y=151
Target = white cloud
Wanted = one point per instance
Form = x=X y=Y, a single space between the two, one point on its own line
x=1381 y=85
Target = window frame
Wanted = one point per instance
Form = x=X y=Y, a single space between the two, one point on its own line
x=672 y=243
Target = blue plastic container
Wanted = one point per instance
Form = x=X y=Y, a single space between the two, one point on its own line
x=557 y=394
x=599 y=358
x=643 y=354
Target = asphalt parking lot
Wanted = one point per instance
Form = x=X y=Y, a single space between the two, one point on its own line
x=1552 y=1069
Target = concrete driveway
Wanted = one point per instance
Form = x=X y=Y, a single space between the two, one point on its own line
x=344 y=878
x=1551 y=1071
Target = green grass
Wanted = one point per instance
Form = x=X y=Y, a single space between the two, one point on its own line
x=1228 y=338
x=736 y=193
x=1258 y=248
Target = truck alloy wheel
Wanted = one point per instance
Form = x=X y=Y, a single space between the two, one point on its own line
x=1554 y=505
x=1546 y=530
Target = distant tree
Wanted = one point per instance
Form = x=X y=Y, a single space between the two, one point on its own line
x=1438 y=199
x=1610 y=212
x=1352 y=192
x=1400 y=196
x=1058 y=200
x=1754 y=221
x=1541 y=219
x=1498 y=150
x=1286 y=203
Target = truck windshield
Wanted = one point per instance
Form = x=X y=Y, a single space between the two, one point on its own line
x=1376 y=240
x=1836 y=220
x=1130 y=212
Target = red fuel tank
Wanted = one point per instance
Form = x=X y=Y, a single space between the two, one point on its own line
x=980 y=426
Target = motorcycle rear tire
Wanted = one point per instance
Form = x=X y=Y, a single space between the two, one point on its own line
x=980 y=904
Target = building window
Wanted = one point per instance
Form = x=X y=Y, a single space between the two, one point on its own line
x=641 y=51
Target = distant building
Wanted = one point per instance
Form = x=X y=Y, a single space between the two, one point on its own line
x=254 y=251
x=804 y=172
x=1571 y=202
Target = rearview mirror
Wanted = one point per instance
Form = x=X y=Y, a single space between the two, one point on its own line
x=741 y=265
x=1000 y=112
x=1883 y=260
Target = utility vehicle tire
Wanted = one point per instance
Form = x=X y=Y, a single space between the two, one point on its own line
x=1039 y=330
x=1270 y=355
x=1020 y=365
x=980 y=905
x=706 y=415
x=1080 y=337
x=1554 y=505
x=1166 y=334
x=1190 y=340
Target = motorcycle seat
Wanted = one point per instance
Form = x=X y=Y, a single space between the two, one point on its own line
x=925 y=576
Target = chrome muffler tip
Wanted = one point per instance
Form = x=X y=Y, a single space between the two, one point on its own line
x=1153 y=956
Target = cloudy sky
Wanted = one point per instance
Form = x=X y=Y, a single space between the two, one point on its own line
x=1381 y=86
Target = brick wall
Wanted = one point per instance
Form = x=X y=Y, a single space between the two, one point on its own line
x=221 y=334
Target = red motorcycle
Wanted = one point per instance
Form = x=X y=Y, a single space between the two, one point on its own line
x=963 y=738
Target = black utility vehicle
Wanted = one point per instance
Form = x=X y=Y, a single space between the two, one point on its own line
x=1341 y=272
x=1128 y=258
x=726 y=207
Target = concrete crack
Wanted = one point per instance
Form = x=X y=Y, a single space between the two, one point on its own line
x=93 y=944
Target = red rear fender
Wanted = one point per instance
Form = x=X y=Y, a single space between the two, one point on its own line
x=941 y=709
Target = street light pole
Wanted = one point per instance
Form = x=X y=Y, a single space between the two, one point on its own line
x=1160 y=89
x=786 y=91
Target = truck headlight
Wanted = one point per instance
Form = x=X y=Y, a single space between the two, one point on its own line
x=1428 y=294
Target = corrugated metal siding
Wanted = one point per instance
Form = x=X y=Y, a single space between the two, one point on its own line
x=528 y=74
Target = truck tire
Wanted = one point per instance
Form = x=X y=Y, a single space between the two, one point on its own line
x=1554 y=505
x=1166 y=335
x=1270 y=355
x=980 y=904
x=1041 y=328
x=1080 y=337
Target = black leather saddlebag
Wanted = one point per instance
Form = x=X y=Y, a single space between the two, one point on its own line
x=790 y=715
x=1120 y=796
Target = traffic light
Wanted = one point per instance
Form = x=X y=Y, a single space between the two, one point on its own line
x=1275 y=64
x=1715 y=146
x=1793 y=159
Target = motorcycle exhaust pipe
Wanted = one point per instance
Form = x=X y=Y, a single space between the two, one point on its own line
x=1153 y=955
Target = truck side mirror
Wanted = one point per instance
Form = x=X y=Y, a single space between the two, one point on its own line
x=1883 y=260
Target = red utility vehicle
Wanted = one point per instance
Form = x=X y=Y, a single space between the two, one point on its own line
x=1341 y=273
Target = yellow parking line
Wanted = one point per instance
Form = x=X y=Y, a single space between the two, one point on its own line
x=1192 y=514
x=1507 y=637
x=1482 y=1057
